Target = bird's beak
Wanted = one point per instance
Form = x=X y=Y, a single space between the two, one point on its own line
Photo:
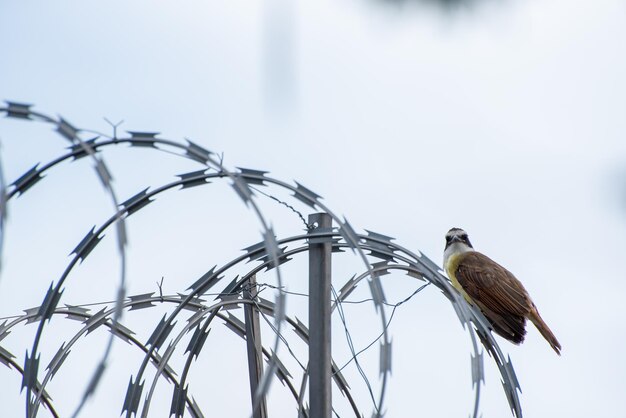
x=455 y=238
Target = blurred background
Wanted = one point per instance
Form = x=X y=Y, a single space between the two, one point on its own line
x=505 y=118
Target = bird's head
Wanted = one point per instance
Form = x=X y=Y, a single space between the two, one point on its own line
x=457 y=235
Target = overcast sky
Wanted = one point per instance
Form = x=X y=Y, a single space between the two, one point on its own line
x=505 y=118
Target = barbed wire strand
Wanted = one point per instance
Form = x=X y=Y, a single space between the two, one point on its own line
x=307 y=226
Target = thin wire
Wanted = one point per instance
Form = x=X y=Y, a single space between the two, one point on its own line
x=307 y=226
x=351 y=346
x=350 y=302
x=282 y=338
x=282 y=289
x=280 y=335
x=393 y=311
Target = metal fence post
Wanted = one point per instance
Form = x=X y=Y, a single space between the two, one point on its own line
x=320 y=401
x=253 y=346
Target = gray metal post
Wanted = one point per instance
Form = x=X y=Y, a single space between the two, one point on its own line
x=253 y=346
x=320 y=401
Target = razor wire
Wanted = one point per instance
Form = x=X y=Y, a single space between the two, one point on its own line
x=3 y=210
x=271 y=252
x=71 y=134
x=194 y=152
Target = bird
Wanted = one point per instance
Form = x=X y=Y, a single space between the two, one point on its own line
x=499 y=295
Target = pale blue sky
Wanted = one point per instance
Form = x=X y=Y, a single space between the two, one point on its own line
x=506 y=119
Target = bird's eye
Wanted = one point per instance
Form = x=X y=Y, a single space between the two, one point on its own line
x=448 y=239
x=464 y=237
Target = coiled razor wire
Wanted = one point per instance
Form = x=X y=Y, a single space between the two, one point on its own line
x=270 y=253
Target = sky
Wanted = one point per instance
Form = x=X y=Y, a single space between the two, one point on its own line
x=505 y=118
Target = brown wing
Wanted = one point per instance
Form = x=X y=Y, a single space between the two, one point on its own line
x=499 y=295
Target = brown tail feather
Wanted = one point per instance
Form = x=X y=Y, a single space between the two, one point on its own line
x=544 y=330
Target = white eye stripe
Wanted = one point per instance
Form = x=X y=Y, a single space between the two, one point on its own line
x=457 y=233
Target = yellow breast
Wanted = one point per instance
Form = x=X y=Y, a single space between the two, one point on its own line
x=452 y=263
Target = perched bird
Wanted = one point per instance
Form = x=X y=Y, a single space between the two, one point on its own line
x=493 y=289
